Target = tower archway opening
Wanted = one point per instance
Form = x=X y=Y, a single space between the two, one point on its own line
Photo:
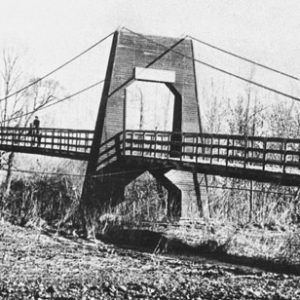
x=151 y=106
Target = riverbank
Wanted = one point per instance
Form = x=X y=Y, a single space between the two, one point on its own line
x=37 y=264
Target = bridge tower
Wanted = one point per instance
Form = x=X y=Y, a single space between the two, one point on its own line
x=150 y=84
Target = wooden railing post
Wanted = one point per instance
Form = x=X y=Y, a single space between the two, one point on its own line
x=117 y=145
x=218 y=149
x=143 y=143
x=284 y=155
x=151 y=143
x=194 y=147
x=59 y=138
x=298 y=155
x=232 y=150
x=52 y=139
x=76 y=141
x=227 y=150
x=245 y=151
x=197 y=149
x=68 y=143
x=131 y=143
x=86 y=140
x=124 y=142
x=211 y=149
x=264 y=153
x=181 y=147
x=155 y=144
x=252 y=147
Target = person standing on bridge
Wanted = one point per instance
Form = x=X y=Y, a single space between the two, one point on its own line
x=36 y=125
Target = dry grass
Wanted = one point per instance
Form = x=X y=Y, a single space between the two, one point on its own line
x=46 y=200
x=39 y=266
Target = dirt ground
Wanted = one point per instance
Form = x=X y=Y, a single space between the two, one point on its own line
x=36 y=264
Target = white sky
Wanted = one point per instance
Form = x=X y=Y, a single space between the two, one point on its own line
x=48 y=32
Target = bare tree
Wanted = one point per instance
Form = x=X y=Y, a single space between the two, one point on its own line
x=19 y=108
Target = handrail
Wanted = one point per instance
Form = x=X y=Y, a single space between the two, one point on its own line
x=49 y=141
x=247 y=152
x=218 y=135
x=49 y=129
x=264 y=153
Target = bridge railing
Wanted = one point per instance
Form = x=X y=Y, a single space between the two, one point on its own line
x=67 y=140
x=110 y=150
x=264 y=153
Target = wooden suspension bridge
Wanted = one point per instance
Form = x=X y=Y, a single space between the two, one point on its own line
x=118 y=144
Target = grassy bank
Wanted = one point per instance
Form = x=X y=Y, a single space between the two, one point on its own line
x=272 y=235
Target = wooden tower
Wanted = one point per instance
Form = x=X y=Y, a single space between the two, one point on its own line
x=150 y=85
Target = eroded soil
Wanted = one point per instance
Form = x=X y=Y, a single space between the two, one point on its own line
x=36 y=265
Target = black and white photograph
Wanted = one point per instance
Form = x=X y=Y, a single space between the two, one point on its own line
x=149 y=149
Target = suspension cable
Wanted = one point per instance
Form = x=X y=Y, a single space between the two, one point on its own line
x=244 y=58
x=219 y=69
x=56 y=69
x=57 y=102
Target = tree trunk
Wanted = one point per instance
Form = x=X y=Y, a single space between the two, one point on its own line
x=251 y=202
x=7 y=183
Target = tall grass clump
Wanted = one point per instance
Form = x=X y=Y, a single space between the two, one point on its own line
x=42 y=197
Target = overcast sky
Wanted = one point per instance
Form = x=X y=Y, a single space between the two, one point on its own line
x=48 y=32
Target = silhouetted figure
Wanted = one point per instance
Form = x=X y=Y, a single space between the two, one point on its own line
x=36 y=124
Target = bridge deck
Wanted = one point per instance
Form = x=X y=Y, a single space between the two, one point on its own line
x=68 y=143
x=258 y=158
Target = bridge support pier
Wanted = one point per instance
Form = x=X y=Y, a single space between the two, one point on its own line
x=106 y=189
x=187 y=194
x=174 y=194
x=193 y=193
